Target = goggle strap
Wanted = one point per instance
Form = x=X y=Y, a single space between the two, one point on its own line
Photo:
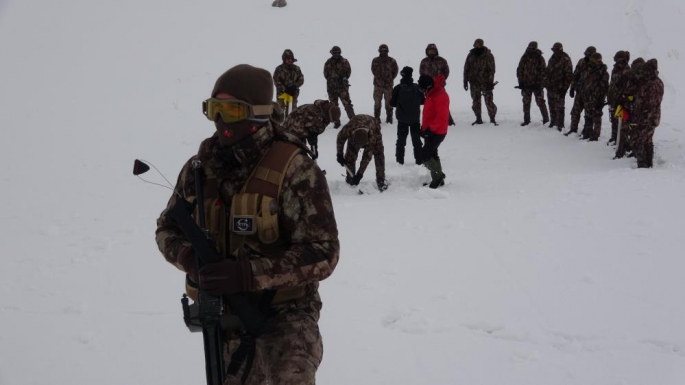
x=263 y=110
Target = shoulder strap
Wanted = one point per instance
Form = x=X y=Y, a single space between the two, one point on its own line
x=267 y=178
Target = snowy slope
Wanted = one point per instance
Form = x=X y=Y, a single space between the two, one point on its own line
x=541 y=260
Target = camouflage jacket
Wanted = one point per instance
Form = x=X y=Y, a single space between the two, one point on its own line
x=287 y=75
x=479 y=68
x=648 y=97
x=307 y=224
x=384 y=71
x=374 y=147
x=334 y=71
x=531 y=70
x=619 y=76
x=433 y=66
x=579 y=73
x=306 y=120
x=559 y=72
x=595 y=83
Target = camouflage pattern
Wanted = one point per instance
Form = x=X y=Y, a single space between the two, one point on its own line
x=290 y=352
x=576 y=84
x=646 y=114
x=618 y=77
x=288 y=75
x=432 y=66
x=628 y=87
x=335 y=70
x=308 y=119
x=374 y=148
x=378 y=94
x=384 y=70
x=557 y=81
x=479 y=74
x=309 y=253
x=595 y=85
x=531 y=73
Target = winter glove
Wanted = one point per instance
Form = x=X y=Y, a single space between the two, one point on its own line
x=466 y=85
x=450 y=121
x=572 y=93
x=356 y=179
x=345 y=82
x=382 y=185
x=291 y=90
x=226 y=277
x=426 y=133
x=341 y=160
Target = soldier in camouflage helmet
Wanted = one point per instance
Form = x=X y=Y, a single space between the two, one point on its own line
x=384 y=69
x=291 y=260
x=337 y=72
x=362 y=132
x=479 y=74
x=618 y=74
x=310 y=120
x=531 y=73
x=646 y=111
x=288 y=80
x=576 y=85
x=594 y=87
x=557 y=81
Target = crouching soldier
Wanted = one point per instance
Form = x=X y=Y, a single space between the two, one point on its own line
x=362 y=132
x=310 y=120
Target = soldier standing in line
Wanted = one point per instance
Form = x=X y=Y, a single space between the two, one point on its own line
x=362 y=132
x=558 y=79
x=618 y=75
x=479 y=74
x=384 y=69
x=288 y=80
x=646 y=114
x=337 y=72
x=628 y=89
x=531 y=73
x=576 y=85
x=594 y=87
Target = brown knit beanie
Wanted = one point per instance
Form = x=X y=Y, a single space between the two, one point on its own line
x=247 y=83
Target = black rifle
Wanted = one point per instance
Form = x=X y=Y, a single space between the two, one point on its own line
x=207 y=314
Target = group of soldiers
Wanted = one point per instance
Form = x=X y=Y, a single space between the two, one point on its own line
x=633 y=93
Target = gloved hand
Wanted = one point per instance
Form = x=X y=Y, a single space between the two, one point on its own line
x=291 y=90
x=226 y=277
x=345 y=82
x=466 y=85
x=572 y=93
x=427 y=133
x=382 y=185
x=356 y=179
x=341 y=160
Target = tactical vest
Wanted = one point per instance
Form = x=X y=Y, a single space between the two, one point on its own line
x=253 y=218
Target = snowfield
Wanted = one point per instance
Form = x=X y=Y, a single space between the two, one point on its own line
x=541 y=261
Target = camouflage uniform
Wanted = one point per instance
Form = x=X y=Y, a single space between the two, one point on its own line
x=646 y=113
x=576 y=85
x=306 y=253
x=337 y=72
x=628 y=87
x=558 y=79
x=479 y=75
x=309 y=121
x=434 y=64
x=595 y=85
x=374 y=148
x=618 y=75
x=288 y=76
x=384 y=69
x=531 y=77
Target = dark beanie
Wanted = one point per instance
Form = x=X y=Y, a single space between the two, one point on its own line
x=247 y=83
x=425 y=82
x=407 y=72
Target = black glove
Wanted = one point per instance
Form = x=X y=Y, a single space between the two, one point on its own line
x=356 y=179
x=572 y=93
x=291 y=90
x=427 y=133
x=226 y=277
x=341 y=160
x=345 y=82
x=466 y=85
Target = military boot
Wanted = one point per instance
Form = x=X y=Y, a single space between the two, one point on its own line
x=597 y=131
x=650 y=155
x=493 y=122
x=478 y=121
x=545 y=114
x=587 y=129
x=279 y=3
x=388 y=115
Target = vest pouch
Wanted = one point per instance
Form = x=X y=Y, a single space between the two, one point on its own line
x=267 y=221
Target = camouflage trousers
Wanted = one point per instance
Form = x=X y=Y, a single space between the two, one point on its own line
x=614 y=124
x=404 y=129
x=378 y=94
x=290 y=352
x=352 y=153
x=539 y=100
x=283 y=106
x=644 y=145
x=478 y=90
x=593 y=119
x=625 y=143
x=578 y=105
x=344 y=95
x=557 y=107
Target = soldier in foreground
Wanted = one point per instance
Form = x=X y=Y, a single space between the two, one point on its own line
x=278 y=260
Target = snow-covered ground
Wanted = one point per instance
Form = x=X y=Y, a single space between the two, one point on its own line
x=542 y=261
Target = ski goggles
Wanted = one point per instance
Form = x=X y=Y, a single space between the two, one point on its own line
x=234 y=110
